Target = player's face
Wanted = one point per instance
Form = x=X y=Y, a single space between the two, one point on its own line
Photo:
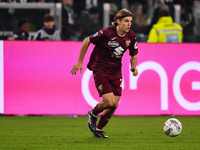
x=125 y=24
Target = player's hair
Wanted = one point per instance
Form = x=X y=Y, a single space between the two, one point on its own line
x=48 y=18
x=21 y=22
x=120 y=15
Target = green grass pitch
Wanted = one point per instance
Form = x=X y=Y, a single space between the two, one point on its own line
x=67 y=133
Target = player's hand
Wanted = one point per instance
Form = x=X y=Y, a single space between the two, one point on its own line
x=134 y=71
x=76 y=67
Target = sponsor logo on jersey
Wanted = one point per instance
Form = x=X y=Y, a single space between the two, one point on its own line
x=128 y=42
x=118 y=52
x=94 y=35
x=113 y=38
x=113 y=43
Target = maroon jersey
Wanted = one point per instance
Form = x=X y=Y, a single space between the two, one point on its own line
x=109 y=49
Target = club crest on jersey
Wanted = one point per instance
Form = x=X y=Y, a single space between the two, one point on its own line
x=100 y=88
x=128 y=42
x=113 y=43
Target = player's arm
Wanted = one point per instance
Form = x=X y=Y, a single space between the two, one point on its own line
x=133 y=61
x=79 y=64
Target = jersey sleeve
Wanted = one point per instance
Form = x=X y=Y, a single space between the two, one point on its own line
x=133 y=49
x=95 y=38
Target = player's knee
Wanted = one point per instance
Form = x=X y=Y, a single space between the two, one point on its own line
x=110 y=104
x=113 y=104
x=116 y=105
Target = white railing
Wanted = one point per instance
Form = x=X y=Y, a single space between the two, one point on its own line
x=54 y=9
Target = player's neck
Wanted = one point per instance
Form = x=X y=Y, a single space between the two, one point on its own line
x=120 y=32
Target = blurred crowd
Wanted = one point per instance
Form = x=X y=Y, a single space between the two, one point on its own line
x=80 y=20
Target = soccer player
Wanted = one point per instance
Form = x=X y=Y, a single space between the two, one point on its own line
x=105 y=62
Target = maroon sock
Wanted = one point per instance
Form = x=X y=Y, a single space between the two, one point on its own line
x=96 y=110
x=102 y=122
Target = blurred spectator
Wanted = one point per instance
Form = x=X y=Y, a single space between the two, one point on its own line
x=91 y=22
x=187 y=22
x=48 y=32
x=143 y=2
x=196 y=12
x=9 y=19
x=165 y=30
x=40 y=1
x=71 y=24
x=159 y=6
x=11 y=1
x=184 y=2
x=156 y=13
x=113 y=11
x=28 y=1
x=139 y=24
x=23 y=31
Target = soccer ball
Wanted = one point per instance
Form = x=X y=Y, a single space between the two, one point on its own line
x=172 y=127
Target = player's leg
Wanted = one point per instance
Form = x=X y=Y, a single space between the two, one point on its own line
x=107 y=114
x=113 y=98
x=108 y=85
x=107 y=102
x=103 y=87
x=110 y=102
